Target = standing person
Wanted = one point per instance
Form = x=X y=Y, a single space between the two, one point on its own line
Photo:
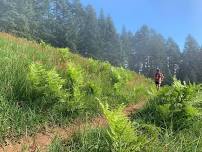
x=158 y=78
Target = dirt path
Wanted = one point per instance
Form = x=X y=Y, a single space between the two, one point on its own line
x=41 y=140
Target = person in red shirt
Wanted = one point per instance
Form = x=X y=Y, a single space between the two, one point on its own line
x=158 y=78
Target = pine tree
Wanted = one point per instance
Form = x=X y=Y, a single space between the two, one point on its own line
x=75 y=25
x=102 y=34
x=126 y=43
x=149 y=52
x=13 y=18
x=139 y=52
x=88 y=45
x=112 y=44
x=173 y=56
x=189 y=65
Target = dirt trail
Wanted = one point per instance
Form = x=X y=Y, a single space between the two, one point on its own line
x=41 y=140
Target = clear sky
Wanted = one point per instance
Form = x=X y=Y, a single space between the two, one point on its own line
x=174 y=18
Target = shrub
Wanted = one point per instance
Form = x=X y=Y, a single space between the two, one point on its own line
x=120 y=75
x=173 y=106
x=37 y=76
x=47 y=84
x=120 y=80
x=75 y=83
x=44 y=44
x=64 y=54
x=119 y=135
x=121 y=132
x=93 y=66
x=55 y=84
x=92 y=89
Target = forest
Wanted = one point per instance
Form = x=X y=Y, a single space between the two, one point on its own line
x=70 y=81
x=68 y=23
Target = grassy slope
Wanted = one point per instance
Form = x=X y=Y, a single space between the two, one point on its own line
x=23 y=110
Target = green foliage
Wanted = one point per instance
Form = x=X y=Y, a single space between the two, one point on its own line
x=91 y=139
x=121 y=132
x=64 y=54
x=75 y=74
x=173 y=107
x=56 y=146
x=119 y=135
x=120 y=76
x=37 y=75
x=97 y=37
x=55 y=84
x=122 y=84
x=15 y=121
x=92 y=89
x=75 y=83
x=120 y=79
x=36 y=92
x=93 y=65
x=43 y=44
x=47 y=83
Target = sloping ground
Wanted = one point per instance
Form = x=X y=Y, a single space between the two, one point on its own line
x=44 y=86
x=42 y=140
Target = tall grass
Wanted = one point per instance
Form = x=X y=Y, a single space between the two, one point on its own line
x=41 y=85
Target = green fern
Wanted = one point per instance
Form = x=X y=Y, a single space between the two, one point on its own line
x=173 y=106
x=48 y=83
x=120 y=130
x=75 y=84
x=37 y=75
x=64 y=54
x=55 y=84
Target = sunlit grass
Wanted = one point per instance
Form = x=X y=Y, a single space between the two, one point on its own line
x=24 y=111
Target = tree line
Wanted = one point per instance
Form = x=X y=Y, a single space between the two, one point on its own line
x=68 y=23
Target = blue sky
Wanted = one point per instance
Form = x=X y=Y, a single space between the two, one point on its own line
x=172 y=18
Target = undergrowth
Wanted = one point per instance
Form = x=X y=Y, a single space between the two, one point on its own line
x=173 y=107
x=41 y=85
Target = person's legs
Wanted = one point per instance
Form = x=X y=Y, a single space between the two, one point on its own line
x=158 y=85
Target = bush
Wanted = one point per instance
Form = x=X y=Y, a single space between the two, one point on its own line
x=119 y=135
x=121 y=132
x=75 y=84
x=47 y=84
x=64 y=54
x=173 y=106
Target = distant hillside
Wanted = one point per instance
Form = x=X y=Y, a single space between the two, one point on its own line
x=40 y=84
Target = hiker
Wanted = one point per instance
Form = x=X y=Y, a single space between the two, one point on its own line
x=158 y=78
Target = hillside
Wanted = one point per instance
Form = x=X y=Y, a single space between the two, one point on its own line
x=56 y=101
x=42 y=86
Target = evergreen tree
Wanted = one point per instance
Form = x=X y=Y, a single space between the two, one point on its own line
x=13 y=17
x=75 y=25
x=102 y=34
x=149 y=52
x=112 y=50
x=189 y=65
x=126 y=42
x=173 y=56
x=89 y=35
x=139 y=52
x=67 y=23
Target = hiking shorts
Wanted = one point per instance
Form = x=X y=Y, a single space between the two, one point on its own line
x=157 y=82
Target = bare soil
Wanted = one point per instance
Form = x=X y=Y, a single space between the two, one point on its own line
x=40 y=141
